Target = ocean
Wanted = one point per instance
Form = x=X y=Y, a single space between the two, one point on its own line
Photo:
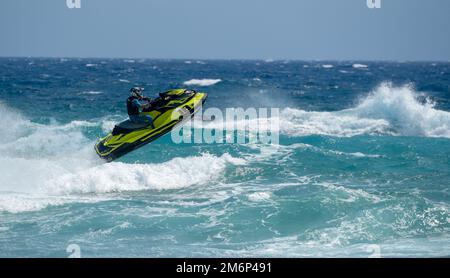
x=362 y=167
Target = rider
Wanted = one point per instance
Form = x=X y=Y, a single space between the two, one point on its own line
x=135 y=104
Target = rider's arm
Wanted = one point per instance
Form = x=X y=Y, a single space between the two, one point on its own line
x=140 y=104
x=137 y=103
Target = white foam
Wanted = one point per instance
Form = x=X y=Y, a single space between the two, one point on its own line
x=117 y=177
x=333 y=243
x=327 y=66
x=91 y=93
x=124 y=81
x=406 y=115
x=91 y=65
x=259 y=196
x=359 y=66
x=108 y=125
x=40 y=169
x=299 y=123
x=387 y=110
x=356 y=154
x=347 y=195
x=16 y=203
x=55 y=182
x=202 y=82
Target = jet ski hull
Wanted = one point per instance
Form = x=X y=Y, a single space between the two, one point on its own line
x=167 y=111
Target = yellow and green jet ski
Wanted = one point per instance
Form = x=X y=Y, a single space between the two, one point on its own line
x=169 y=109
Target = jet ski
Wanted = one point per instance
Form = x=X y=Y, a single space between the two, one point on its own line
x=168 y=110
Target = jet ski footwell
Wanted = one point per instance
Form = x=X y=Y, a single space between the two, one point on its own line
x=167 y=111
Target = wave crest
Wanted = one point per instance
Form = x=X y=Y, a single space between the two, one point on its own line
x=387 y=110
x=202 y=82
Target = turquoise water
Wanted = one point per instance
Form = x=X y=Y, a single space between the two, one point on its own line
x=362 y=163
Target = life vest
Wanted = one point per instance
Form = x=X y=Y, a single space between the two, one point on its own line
x=132 y=109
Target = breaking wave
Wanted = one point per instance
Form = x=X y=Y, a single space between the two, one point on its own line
x=388 y=110
x=58 y=173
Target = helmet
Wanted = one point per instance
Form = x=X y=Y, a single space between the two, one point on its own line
x=137 y=92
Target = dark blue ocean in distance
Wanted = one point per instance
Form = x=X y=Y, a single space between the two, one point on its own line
x=362 y=167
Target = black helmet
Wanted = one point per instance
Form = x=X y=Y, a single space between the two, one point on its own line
x=137 y=92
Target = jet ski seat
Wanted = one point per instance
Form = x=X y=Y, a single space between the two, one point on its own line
x=128 y=126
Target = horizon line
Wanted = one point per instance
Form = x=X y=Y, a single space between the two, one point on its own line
x=226 y=59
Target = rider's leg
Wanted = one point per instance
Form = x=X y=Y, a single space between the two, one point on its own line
x=135 y=119
x=149 y=119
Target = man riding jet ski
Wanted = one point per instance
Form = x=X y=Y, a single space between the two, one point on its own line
x=136 y=103
x=149 y=120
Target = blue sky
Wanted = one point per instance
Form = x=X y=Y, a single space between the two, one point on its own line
x=228 y=29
